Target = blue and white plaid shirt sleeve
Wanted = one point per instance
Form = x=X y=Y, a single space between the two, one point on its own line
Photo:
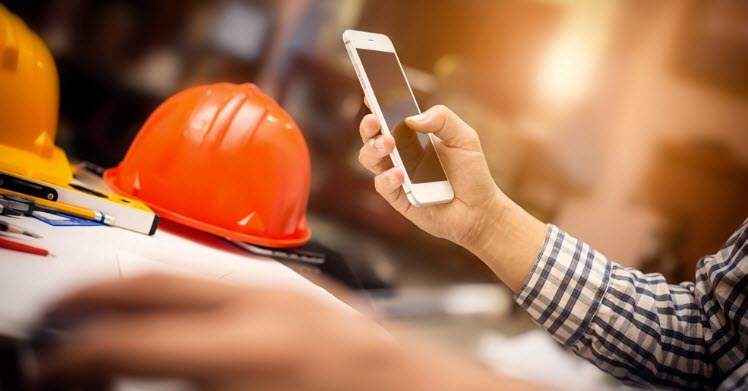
x=636 y=326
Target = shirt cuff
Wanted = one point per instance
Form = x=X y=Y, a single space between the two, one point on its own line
x=565 y=287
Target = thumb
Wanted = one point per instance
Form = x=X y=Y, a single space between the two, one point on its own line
x=445 y=125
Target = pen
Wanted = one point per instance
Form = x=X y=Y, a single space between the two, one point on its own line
x=77 y=211
x=24 y=248
x=14 y=229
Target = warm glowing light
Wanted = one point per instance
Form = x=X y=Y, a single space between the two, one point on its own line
x=565 y=73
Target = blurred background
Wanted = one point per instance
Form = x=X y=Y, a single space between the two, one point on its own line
x=625 y=123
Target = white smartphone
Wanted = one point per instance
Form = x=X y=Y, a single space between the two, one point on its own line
x=391 y=100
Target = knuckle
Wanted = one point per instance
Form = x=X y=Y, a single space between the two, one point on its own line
x=442 y=110
x=400 y=202
x=378 y=184
x=471 y=136
x=474 y=136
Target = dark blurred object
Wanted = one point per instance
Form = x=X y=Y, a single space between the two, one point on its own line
x=701 y=189
x=714 y=44
x=317 y=258
x=11 y=373
x=19 y=365
x=356 y=275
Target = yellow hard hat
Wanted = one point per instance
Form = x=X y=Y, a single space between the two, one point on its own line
x=29 y=102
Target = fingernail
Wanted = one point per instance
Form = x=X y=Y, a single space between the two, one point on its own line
x=423 y=117
x=379 y=144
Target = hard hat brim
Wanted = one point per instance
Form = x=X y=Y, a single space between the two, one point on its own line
x=55 y=170
x=298 y=239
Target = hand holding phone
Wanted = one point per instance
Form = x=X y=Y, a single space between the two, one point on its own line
x=392 y=100
x=475 y=213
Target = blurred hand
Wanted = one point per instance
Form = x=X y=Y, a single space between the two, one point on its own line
x=478 y=201
x=225 y=337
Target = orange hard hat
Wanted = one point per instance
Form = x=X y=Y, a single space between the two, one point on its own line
x=29 y=102
x=223 y=158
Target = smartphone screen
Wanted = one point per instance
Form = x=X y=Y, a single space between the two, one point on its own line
x=396 y=102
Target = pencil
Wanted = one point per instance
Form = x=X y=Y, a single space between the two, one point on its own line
x=14 y=229
x=77 y=211
x=24 y=248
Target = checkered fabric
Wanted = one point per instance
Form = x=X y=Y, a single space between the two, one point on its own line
x=636 y=326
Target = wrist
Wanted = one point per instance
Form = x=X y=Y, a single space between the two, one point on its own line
x=508 y=241
x=491 y=217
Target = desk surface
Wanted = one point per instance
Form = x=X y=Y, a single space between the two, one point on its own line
x=84 y=254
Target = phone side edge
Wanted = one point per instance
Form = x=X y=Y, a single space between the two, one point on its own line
x=376 y=110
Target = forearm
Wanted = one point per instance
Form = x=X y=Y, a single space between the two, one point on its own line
x=508 y=241
x=631 y=325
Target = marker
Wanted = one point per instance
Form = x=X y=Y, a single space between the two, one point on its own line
x=21 y=247
x=8 y=212
x=14 y=229
x=77 y=211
